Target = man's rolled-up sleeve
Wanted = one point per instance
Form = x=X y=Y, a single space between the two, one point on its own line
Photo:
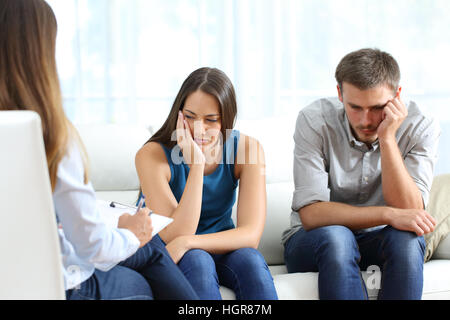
x=422 y=157
x=310 y=175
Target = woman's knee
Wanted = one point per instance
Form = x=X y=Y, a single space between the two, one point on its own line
x=246 y=272
x=200 y=269
x=245 y=263
x=248 y=258
x=197 y=260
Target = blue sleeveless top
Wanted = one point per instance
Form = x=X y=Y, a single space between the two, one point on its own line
x=219 y=188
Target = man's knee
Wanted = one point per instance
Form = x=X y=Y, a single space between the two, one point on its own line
x=336 y=244
x=403 y=245
x=339 y=238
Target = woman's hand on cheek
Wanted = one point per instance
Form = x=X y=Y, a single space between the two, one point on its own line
x=192 y=153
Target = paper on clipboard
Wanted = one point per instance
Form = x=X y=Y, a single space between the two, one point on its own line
x=111 y=216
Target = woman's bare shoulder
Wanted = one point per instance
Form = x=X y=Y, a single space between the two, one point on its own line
x=249 y=148
x=151 y=152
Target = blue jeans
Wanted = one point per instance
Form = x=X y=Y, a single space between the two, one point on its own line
x=338 y=255
x=244 y=271
x=149 y=274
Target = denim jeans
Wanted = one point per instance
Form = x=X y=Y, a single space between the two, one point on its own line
x=338 y=255
x=244 y=271
x=149 y=274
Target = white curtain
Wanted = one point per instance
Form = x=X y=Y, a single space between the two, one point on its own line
x=123 y=61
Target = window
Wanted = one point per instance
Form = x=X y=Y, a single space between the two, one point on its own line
x=123 y=61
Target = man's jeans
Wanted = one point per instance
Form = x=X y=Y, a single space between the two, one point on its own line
x=149 y=274
x=338 y=255
x=244 y=271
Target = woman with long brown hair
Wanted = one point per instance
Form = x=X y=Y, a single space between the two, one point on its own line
x=189 y=170
x=99 y=262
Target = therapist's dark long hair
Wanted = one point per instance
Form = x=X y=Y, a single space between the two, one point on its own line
x=208 y=80
x=28 y=73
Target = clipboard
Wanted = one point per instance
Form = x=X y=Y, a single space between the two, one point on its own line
x=111 y=215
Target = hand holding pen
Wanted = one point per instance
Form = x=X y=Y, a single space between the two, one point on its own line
x=140 y=223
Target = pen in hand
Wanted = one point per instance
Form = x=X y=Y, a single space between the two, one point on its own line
x=139 y=207
x=141 y=203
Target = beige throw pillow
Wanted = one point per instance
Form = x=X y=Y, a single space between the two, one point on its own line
x=439 y=208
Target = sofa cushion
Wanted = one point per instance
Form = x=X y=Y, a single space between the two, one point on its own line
x=439 y=208
x=436 y=280
x=279 y=197
x=276 y=137
x=304 y=286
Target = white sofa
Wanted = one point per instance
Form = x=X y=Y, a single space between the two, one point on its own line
x=112 y=149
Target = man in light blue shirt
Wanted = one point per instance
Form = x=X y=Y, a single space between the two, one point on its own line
x=363 y=168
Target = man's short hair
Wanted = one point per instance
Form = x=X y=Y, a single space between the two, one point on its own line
x=367 y=69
